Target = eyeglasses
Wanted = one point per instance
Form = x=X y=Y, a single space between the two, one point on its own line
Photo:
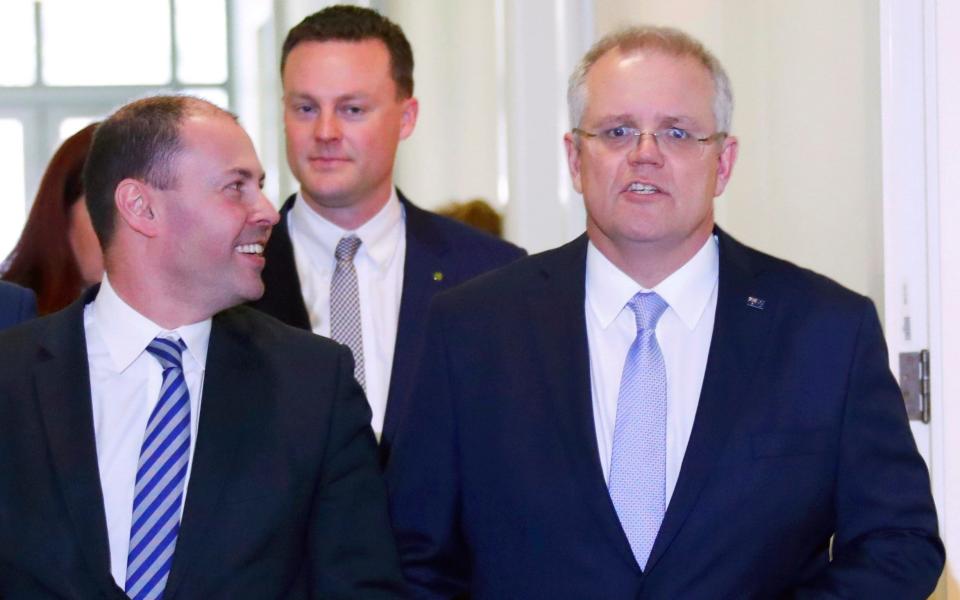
x=670 y=140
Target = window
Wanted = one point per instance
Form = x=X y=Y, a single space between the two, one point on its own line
x=77 y=61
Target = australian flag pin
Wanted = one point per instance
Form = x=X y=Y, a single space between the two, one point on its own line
x=757 y=303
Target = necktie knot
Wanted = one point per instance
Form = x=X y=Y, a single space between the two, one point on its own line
x=347 y=248
x=647 y=308
x=169 y=353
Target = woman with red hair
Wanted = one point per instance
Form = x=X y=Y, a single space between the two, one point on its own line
x=58 y=255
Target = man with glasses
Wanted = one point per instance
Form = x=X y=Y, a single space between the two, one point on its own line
x=655 y=410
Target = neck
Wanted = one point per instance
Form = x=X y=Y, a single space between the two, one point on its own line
x=350 y=214
x=649 y=263
x=149 y=297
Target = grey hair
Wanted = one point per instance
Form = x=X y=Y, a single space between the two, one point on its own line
x=665 y=39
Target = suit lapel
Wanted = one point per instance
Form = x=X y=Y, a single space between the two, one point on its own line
x=740 y=336
x=559 y=325
x=232 y=386
x=423 y=276
x=62 y=380
x=282 y=297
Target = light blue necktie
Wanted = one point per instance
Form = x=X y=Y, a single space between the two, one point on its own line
x=639 y=458
x=161 y=475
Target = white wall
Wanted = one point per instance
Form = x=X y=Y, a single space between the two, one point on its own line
x=806 y=79
x=452 y=154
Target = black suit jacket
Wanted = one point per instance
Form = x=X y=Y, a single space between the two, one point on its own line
x=800 y=434
x=285 y=497
x=17 y=304
x=435 y=245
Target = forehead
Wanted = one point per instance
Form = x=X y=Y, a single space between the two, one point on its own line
x=649 y=83
x=215 y=143
x=339 y=64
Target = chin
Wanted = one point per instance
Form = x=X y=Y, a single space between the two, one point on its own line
x=255 y=292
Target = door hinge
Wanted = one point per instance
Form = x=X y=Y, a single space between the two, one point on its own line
x=915 y=384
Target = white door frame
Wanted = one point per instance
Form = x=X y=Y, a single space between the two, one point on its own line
x=920 y=57
x=945 y=270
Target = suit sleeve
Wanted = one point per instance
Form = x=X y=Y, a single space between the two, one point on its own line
x=886 y=543
x=423 y=479
x=352 y=550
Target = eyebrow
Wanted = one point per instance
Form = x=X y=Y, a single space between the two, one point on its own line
x=665 y=121
x=246 y=174
x=350 y=96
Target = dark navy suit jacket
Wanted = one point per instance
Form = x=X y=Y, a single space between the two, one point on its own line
x=17 y=304
x=285 y=498
x=441 y=253
x=800 y=434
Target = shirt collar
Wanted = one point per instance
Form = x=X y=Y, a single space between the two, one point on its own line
x=127 y=333
x=687 y=290
x=379 y=235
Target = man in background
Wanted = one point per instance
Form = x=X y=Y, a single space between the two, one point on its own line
x=157 y=442
x=352 y=257
x=655 y=410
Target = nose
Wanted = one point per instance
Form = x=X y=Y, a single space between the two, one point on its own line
x=265 y=213
x=326 y=127
x=646 y=149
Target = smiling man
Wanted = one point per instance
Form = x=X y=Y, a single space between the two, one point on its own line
x=352 y=257
x=156 y=439
x=655 y=410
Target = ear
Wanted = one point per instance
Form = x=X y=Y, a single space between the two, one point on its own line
x=573 y=160
x=134 y=200
x=725 y=162
x=408 y=119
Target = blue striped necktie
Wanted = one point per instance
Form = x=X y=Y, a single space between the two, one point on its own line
x=161 y=476
x=638 y=460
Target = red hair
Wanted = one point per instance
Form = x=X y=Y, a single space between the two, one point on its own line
x=43 y=259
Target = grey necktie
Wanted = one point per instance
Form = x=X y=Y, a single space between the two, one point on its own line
x=345 y=303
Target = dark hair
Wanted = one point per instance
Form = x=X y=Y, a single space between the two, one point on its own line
x=356 y=24
x=43 y=259
x=138 y=141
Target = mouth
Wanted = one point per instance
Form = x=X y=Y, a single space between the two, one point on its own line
x=642 y=188
x=327 y=160
x=255 y=249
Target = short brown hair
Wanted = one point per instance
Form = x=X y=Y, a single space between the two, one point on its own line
x=356 y=24
x=664 y=39
x=139 y=141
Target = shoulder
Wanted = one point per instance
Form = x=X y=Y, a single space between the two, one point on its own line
x=802 y=291
x=458 y=237
x=16 y=303
x=36 y=340
x=271 y=338
x=12 y=290
x=559 y=270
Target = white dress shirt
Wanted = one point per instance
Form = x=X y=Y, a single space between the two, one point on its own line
x=683 y=332
x=379 y=265
x=125 y=387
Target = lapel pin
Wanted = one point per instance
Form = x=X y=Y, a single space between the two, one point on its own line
x=754 y=302
x=437 y=276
